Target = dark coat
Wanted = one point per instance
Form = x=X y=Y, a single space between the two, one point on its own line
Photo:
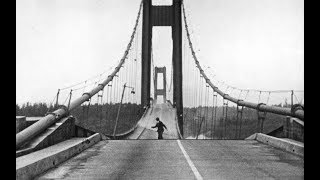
x=160 y=126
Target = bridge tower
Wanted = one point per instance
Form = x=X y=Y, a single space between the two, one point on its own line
x=158 y=92
x=163 y=16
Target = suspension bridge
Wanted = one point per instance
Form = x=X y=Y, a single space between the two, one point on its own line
x=101 y=128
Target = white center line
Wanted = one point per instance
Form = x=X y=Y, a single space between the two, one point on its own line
x=194 y=169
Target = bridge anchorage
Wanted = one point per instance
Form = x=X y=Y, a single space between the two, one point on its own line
x=94 y=129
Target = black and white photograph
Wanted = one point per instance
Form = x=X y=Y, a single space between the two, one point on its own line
x=159 y=89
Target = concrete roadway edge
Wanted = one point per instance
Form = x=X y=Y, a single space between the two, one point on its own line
x=283 y=144
x=36 y=168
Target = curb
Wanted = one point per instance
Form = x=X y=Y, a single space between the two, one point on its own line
x=30 y=169
x=283 y=144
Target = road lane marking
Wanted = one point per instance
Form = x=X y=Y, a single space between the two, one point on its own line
x=194 y=169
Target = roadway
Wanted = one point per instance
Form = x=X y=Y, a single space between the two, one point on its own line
x=178 y=159
x=164 y=159
x=166 y=114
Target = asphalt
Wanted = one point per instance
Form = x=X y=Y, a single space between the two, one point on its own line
x=163 y=159
x=148 y=158
x=243 y=159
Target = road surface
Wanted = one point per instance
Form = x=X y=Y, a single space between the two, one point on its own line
x=166 y=114
x=164 y=159
x=171 y=158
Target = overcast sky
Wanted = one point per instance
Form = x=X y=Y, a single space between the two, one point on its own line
x=249 y=44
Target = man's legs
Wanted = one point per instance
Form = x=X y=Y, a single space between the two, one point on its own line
x=160 y=135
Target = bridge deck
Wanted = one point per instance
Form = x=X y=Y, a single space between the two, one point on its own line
x=163 y=159
x=166 y=159
x=167 y=115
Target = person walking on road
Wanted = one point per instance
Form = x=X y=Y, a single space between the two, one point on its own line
x=160 y=126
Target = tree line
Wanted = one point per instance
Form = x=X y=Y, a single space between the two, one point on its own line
x=33 y=109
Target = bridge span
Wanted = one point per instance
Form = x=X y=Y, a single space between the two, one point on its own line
x=172 y=158
x=167 y=115
x=59 y=147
